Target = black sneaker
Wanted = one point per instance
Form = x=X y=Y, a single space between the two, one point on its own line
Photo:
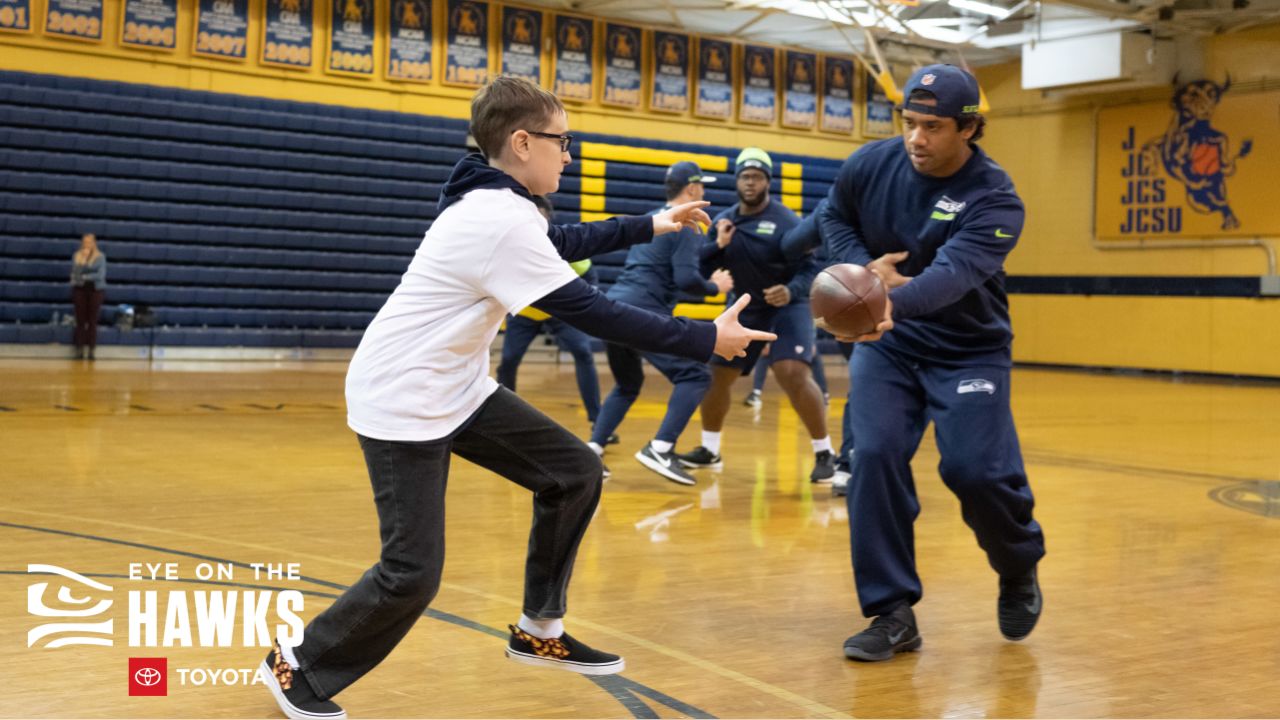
x=888 y=635
x=824 y=467
x=563 y=652
x=613 y=439
x=753 y=400
x=665 y=464
x=701 y=458
x=605 y=471
x=292 y=691
x=1019 y=606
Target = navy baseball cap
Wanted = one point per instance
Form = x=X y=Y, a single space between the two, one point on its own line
x=956 y=91
x=686 y=172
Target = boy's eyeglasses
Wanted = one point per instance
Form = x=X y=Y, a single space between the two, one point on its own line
x=565 y=140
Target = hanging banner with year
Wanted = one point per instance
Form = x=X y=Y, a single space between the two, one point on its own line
x=715 y=80
x=150 y=24
x=522 y=43
x=15 y=16
x=287 y=32
x=800 y=99
x=222 y=29
x=351 y=38
x=622 y=65
x=759 y=85
x=466 y=52
x=409 y=45
x=74 y=19
x=575 y=40
x=837 y=95
x=670 y=72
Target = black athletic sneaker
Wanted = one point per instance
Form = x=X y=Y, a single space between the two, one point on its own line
x=824 y=467
x=563 y=652
x=292 y=691
x=888 y=634
x=1019 y=605
x=665 y=464
x=702 y=459
x=613 y=439
x=753 y=400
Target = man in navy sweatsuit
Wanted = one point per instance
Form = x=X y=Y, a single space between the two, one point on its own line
x=935 y=218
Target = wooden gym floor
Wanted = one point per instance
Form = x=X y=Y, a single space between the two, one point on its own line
x=1160 y=502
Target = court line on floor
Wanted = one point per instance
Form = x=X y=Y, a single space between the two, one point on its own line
x=808 y=704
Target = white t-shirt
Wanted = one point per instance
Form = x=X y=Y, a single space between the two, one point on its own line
x=422 y=367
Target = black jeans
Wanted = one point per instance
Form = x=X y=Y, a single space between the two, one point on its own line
x=87 y=301
x=509 y=437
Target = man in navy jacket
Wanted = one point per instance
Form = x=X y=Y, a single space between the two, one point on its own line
x=934 y=217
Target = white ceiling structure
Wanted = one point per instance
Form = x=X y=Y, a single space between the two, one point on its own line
x=917 y=32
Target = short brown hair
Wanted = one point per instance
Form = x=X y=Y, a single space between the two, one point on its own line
x=506 y=104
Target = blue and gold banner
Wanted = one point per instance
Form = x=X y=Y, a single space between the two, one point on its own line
x=575 y=40
x=837 y=95
x=74 y=19
x=466 y=46
x=222 y=29
x=622 y=65
x=800 y=97
x=287 y=33
x=151 y=24
x=351 y=38
x=670 y=72
x=759 y=85
x=1201 y=165
x=715 y=80
x=409 y=41
x=15 y=15
x=522 y=43
x=877 y=109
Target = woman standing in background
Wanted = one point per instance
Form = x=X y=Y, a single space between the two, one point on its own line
x=88 y=278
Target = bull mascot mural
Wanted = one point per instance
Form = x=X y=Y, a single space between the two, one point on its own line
x=1195 y=153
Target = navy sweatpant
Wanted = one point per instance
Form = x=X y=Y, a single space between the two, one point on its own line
x=892 y=399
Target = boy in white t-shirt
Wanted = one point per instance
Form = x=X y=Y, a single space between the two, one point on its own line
x=418 y=391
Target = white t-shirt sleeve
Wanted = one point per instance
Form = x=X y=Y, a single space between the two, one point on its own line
x=524 y=267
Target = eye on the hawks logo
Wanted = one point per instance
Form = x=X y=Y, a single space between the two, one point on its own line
x=1195 y=153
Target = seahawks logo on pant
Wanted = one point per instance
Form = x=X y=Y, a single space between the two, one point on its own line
x=973 y=386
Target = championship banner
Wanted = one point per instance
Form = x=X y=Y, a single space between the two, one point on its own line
x=74 y=19
x=150 y=24
x=222 y=29
x=877 y=109
x=409 y=46
x=800 y=99
x=715 y=80
x=286 y=34
x=15 y=15
x=622 y=65
x=466 y=45
x=351 y=38
x=1201 y=165
x=574 y=77
x=759 y=85
x=522 y=43
x=670 y=72
x=837 y=95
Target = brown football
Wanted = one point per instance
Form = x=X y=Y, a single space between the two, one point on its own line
x=848 y=300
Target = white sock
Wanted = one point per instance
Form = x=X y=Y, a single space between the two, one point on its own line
x=820 y=445
x=289 y=657
x=541 y=629
x=711 y=441
x=598 y=450
x=662 y=446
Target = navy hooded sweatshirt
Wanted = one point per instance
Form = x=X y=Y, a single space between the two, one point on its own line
x=578 y=302
x=958 y=230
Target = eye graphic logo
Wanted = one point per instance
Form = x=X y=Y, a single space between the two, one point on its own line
x=82 y=631
x=147 y=676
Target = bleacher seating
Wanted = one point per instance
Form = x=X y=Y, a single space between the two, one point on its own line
x=245 y=221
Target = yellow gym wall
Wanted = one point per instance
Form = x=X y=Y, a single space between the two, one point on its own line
x=1047 y=145
x=107 y=60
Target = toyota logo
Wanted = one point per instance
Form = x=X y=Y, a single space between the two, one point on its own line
x=147 y=677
